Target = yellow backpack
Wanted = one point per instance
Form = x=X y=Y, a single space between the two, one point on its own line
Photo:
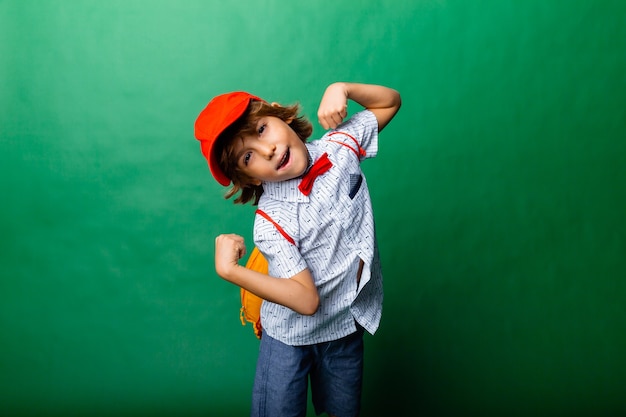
x=250 y=303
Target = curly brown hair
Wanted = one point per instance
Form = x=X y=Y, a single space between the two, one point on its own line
x=246 y=125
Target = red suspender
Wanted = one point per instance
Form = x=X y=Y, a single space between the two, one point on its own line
x=360 y=152
x=277 y=226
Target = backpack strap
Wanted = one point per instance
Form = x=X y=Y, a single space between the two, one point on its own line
x=358 y=151
x=276 y=225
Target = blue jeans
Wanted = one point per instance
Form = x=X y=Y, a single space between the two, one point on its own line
x=335 y=369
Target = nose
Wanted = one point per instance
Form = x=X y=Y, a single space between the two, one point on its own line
x=266 y=149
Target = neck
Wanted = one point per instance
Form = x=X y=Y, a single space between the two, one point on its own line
x=309 y=164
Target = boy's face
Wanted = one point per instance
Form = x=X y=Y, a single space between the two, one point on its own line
x=274 y=153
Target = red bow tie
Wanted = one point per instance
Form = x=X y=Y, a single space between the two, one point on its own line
x=320 y=166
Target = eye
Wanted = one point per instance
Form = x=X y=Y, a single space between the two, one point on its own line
x=246 y=158
x=262 y=128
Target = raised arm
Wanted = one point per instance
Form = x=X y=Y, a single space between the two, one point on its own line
x=384 y=102
x=297 y=293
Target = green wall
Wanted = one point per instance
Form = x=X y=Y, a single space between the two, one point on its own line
x=499 y=191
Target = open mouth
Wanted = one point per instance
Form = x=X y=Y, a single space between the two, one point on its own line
x=284 y=159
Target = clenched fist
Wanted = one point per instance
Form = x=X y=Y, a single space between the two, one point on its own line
x=333 y=107
x=229 y=249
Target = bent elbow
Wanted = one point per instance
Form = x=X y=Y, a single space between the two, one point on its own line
x=310 y=306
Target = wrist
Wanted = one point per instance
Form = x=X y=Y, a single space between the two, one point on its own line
x=340 y=87
x=231 y=273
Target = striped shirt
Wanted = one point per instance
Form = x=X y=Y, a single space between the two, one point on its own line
x=332 y=230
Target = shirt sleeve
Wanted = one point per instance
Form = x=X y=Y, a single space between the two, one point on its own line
x=363 y=126
x=283 y=257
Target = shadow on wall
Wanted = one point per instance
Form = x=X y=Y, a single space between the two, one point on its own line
x=464 y=337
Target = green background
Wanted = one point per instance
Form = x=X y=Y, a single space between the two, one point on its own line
x=499 y=192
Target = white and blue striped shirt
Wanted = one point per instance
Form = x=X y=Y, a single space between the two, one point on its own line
x=333 y=229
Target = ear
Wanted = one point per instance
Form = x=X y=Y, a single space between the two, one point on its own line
x=255 y=181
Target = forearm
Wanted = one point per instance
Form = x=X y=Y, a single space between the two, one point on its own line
x=371 y=96
x=297 y=293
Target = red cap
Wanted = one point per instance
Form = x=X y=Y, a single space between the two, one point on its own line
x=220 y=113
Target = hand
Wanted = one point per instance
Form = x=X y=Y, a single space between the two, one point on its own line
x=229 y=249
x=334 y=106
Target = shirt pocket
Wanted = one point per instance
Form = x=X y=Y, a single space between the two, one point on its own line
x=352 y=204
x=356 y=180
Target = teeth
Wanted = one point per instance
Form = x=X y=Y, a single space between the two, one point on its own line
x=284 y=160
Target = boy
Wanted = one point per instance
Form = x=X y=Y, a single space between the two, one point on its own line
x=314 y=224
